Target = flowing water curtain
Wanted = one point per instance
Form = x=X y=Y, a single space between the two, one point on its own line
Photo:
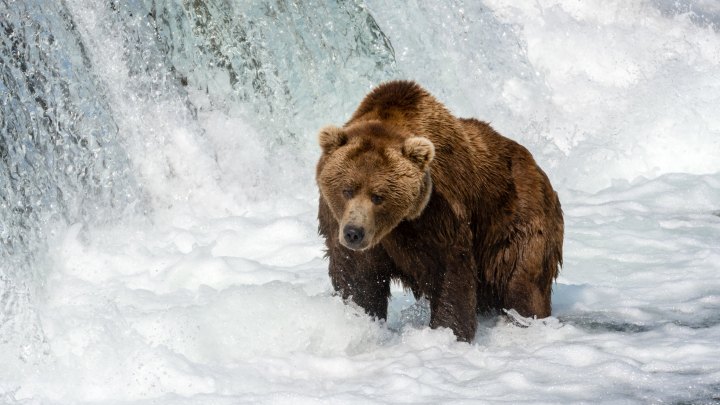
x=59 y=160
x=279 y=58
x=63 y=160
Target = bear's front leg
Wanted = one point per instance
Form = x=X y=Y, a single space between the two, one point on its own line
x=363 y=276
x=454 y=306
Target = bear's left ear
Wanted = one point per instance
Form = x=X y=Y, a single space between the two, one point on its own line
x=331 y=138
x=419 y=150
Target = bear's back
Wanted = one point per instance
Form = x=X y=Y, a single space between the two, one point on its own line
x=391 y=101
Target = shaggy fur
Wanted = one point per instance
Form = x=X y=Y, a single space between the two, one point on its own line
x=455 y=211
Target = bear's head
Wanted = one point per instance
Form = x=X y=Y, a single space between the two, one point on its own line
x=372 y=178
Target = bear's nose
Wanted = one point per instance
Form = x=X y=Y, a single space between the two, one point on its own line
x=353 y=235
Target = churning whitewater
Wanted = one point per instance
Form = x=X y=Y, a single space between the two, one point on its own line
x=158 y=210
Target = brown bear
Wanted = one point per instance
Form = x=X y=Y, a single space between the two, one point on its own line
x=455 y=211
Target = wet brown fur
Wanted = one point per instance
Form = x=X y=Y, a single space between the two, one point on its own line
x=487 y=236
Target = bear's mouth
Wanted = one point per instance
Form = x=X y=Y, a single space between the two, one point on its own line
x=356 y=248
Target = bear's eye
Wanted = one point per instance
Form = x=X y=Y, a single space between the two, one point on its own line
x=376 y=199
x=348 y=193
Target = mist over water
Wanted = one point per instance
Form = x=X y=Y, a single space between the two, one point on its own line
x=157 y=225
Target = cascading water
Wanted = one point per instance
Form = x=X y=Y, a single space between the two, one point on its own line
x=61 y=157
x=86 y=84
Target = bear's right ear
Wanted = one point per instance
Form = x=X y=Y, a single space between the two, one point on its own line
x=419 y=150
x=331 y=138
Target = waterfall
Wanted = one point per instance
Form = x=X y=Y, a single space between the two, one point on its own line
x=61 y=160
x=103 y=103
